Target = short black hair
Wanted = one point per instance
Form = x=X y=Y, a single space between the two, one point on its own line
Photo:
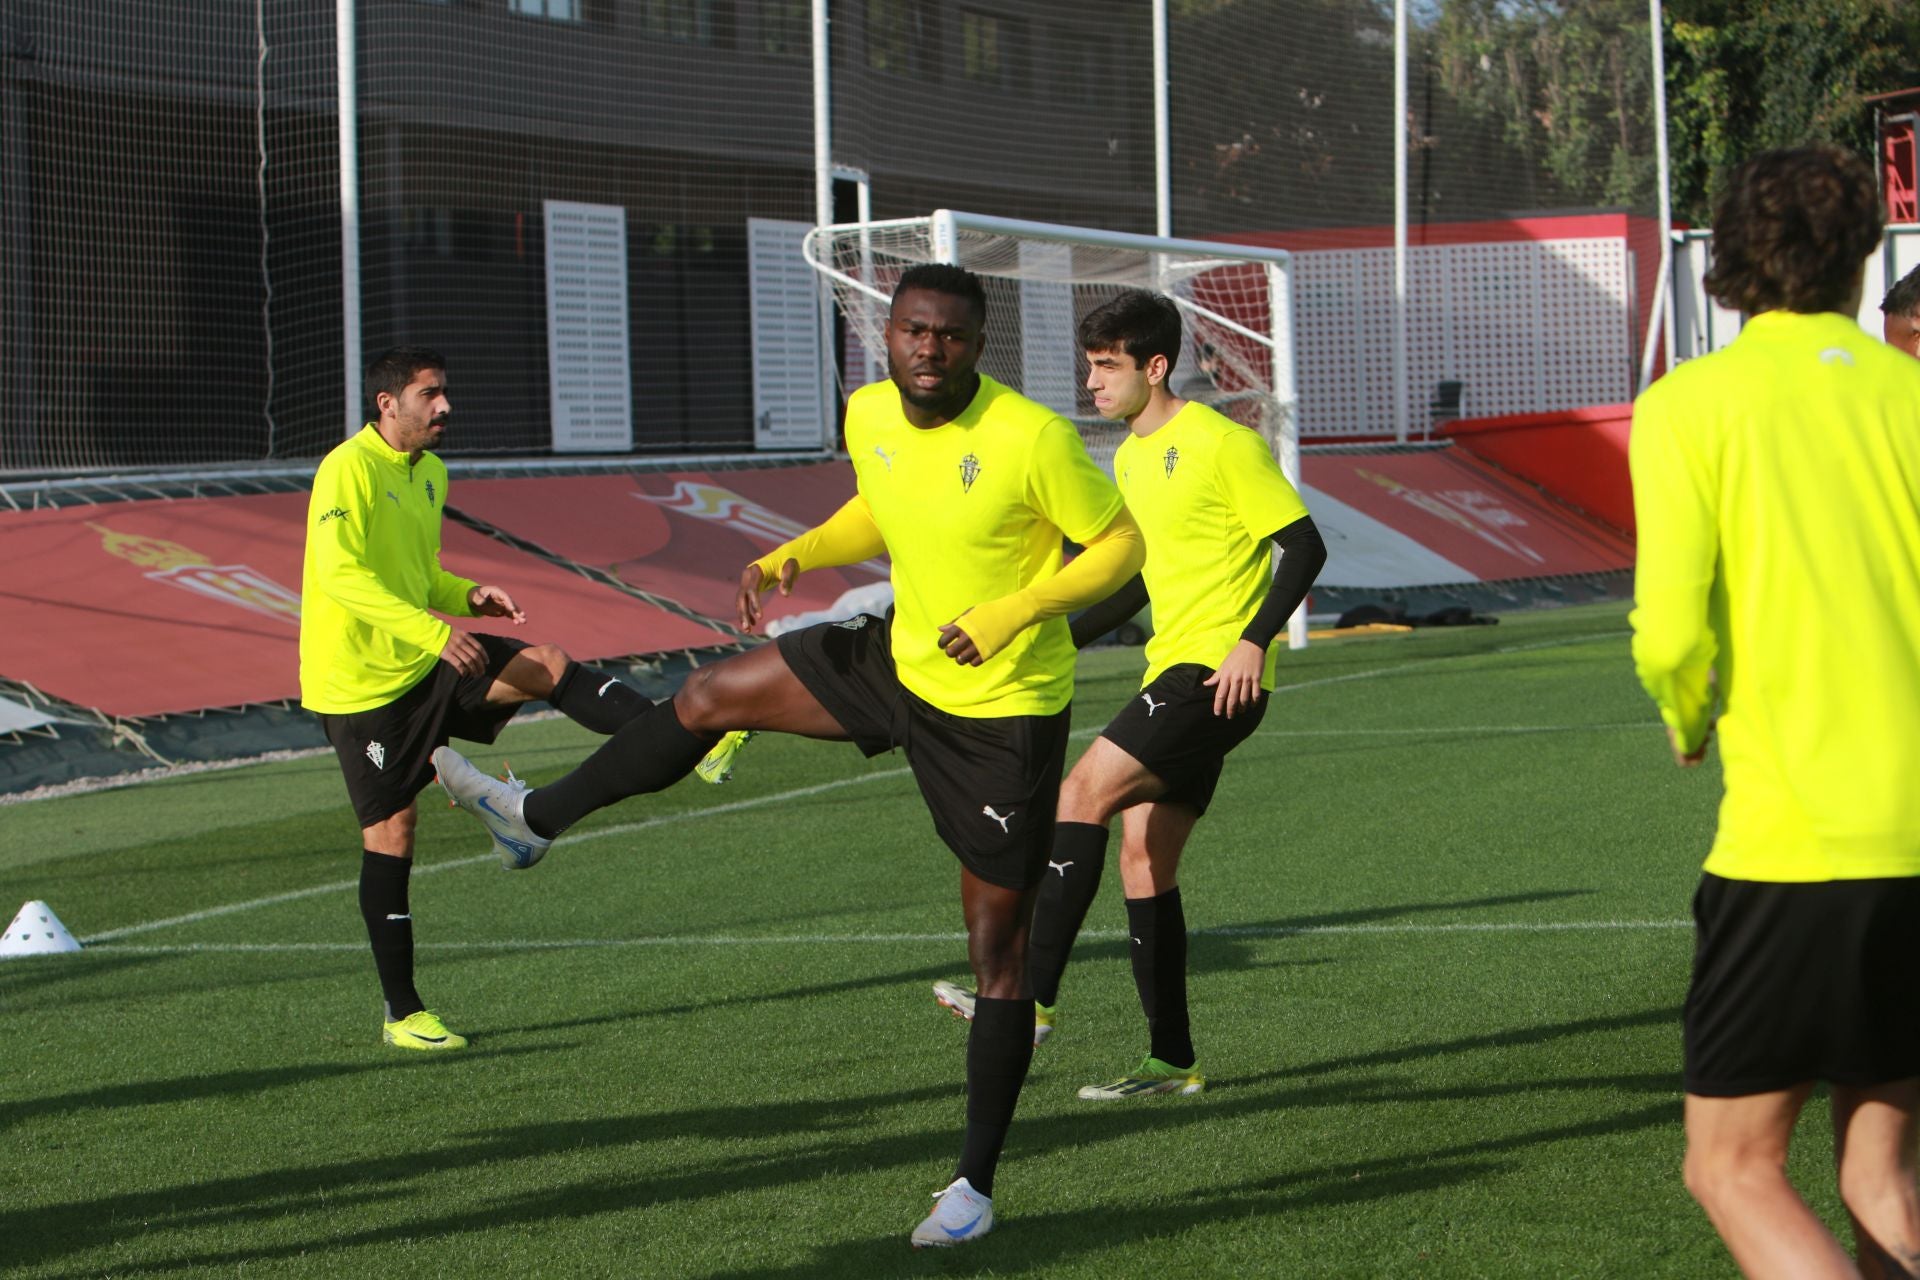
x=943 y=277
x=1791 y=230
x=1139 y=322
x=396 y=368
x=1904 y=298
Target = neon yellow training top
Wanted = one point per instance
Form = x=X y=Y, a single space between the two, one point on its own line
x=1209 y=497
x=973 y=511
x=372 y=571
x=1776 y=485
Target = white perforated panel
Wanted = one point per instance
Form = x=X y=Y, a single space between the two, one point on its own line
x=1525 y=326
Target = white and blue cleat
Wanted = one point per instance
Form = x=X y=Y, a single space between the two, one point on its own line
x=498 y=803
x=959 y=1214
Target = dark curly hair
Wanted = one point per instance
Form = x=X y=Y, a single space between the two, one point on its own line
x=1791 y=230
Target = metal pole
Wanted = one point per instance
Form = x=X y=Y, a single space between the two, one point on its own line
x=1657 y=311
x=1286 y=441
x=823 y=208
x=1162 y=115
x=1400 y=221
x=348 y=71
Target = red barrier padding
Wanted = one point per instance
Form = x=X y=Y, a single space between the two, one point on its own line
x=147 y=608
x=1577 y=455
x=1489 y=525
x=684 y=535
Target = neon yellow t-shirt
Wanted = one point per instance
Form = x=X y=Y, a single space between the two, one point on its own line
x=1209 y=497
x=971 y=511
x=1777 y=491
x=372 y=571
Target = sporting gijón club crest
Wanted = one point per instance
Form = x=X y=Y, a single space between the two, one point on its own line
x=969 y=472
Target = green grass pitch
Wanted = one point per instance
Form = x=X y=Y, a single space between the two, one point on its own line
x=1440 y=947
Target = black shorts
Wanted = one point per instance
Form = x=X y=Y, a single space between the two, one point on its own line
x=1800 y=982
x=386 y=752
x=1170 y=727
x=991 y=784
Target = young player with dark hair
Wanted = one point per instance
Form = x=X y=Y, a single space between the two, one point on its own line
x=1900 y=313
x=389 y=681
x=969 y=487
x=1776 y=487
x=1209 y=498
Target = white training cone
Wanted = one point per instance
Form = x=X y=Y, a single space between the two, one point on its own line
x=36 y=931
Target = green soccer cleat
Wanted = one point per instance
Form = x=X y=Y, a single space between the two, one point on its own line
x=959 y=1001
x=717 y=767
x=1151 y=1076
x=422 y=1030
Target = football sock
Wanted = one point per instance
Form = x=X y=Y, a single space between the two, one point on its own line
x=1067 y=890
x=595 y=699
x=649 y=753
x=1159 y=929
x=999 y=1051
x=383 y=904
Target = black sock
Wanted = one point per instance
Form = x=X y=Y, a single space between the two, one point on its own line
x=1159 y=929
x=649 y=753
x=999 y=1050
x=1072 y=880
x=383 y=904
x=595 y=699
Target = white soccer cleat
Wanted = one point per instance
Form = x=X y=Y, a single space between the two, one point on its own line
x=954 y=997
x=498 y=803
x=959 y=1214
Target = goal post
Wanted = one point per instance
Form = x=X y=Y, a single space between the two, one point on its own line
x=1041 y=278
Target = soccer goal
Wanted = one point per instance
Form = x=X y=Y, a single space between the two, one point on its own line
x=1042 y=278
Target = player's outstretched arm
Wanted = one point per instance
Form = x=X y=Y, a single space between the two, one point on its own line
x=848 y=536
x=1111 y=557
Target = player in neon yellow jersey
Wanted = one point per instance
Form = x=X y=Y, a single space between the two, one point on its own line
x=969 y=487
x=1777 y=493
x=1209 y=499
x=389 y=680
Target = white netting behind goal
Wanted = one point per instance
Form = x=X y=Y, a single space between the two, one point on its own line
x=1042 y=279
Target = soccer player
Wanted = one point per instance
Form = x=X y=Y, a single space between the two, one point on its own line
x=1900 y=310
x=1776 y=487
x=389 y=680
x=969 y=487
x=1208 y=498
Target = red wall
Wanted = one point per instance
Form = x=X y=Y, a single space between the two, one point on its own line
x=1577 y=455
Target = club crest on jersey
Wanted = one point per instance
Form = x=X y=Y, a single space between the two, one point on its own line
x=377 y=754
x=1172 y=459
x=431 y=499
x=969 y=472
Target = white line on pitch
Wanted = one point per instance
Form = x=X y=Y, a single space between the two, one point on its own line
x=629 y=828
x=843 y=939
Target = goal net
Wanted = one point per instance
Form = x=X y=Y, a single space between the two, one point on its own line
x=1041 y=279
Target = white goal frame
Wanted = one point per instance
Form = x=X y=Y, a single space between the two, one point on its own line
x=1153 y=262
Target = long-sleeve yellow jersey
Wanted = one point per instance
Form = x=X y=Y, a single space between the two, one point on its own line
x=372 y=572
x=1777 y=491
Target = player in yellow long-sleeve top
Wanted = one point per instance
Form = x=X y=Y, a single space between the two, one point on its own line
x=389 y=681
x=1777 y=493
x=969 y=487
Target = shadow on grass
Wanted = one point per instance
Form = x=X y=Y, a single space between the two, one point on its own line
x=838 y=1141
x=1228 y=947
x=226 y=1085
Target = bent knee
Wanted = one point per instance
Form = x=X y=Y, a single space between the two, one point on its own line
x=700 y=701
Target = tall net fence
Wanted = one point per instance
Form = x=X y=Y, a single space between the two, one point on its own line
x=171 y=275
